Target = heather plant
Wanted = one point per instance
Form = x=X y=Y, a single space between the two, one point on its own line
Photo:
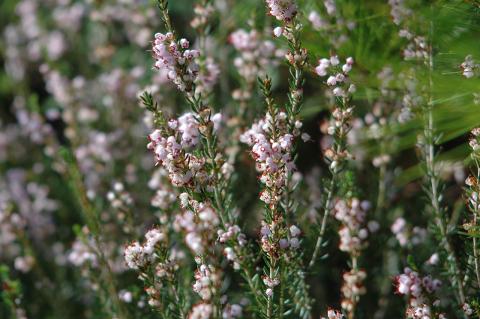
x=213 y=159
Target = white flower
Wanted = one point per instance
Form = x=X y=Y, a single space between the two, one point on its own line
x=283 y=10
x=278 y=31
x=338 y=92
x=295 y=231
x=332 y=80
x=334 y=61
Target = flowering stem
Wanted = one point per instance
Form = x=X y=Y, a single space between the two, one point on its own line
x=474 y=207
x=270 y=298
x=91 y=218
x=381 y=189
x=433 y=190
x=351 y=313
x=339 y=147
x=323 y=226
x=163 y=5
x=475 y=253
x=178 y=301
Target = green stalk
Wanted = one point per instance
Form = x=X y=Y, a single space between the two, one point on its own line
x=434 y=193
x=93 y=223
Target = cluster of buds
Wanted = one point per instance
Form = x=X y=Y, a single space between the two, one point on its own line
x=255 y=55
x=201 y=311
x=167 y=268
x=399 y=11
x=163 y=199
x=282 y=10
x=467 y=309
x=337 y=75
x=207 y=76
x=173 y=146
x=154 y=294
x=275 y=240
x=475 y=142
x=332 y=22
x=270 y=283
x=352 y=288
x=407 y=236
x=472 y=182
x=198 y=224
x=164 y=194
x=24 y=263
x=417 y=47
x=420 y=291
x=317 y=21
x=138 y=256
x=152 y=262
x=297 y=59
x=202 y=15
x=354 y=231
x=468 y=67
x=339 y=127
x=174 y=58
x=232 y=311
x=118 y=197
x=81 y=254
x=207 y=281
x=333 y=314
x=272 y=155
x=235 y=241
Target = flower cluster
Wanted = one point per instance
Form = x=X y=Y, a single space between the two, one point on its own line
x=399 y=11
x=419 y=290
x=475 y=141
x=352 y=288
x=172 y=145
x=417 y=47
x=282 y=10
x=339 y=127
x=337 y=75
x=206 y=281
x=288 y=240
x=232 y=311
x=353 y=234
x=137 y=256
x=81 y=254
x=467 y=309
x=201 y=311
x=272 y=154
x=469 y=67
x=407 y=236
x=202 y=15
x=199 y=225
x=333 y=23
x=333 y=314
x=270 y=283
x=176 y=59
x=234 y=240
x=352 y=214
x=207 y=76
x=119 y=197
x=164 y=194
x=255 y=55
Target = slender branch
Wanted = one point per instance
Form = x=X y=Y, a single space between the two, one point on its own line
x=323 y=227
x=429 y=148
